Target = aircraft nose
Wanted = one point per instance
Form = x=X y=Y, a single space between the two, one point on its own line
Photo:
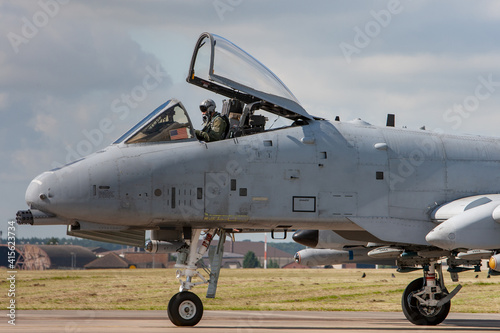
x=306 y=237
x=38 y=192
x=443 y=236
x=32 y=192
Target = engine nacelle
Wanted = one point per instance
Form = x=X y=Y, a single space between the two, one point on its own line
x=494 y=262
x=475 y=228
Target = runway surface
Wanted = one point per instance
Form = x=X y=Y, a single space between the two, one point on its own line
x=238 y=321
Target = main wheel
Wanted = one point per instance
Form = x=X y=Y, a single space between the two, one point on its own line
x=185 y=309
x=418 y=314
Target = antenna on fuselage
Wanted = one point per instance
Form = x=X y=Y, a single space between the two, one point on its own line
x=391 y=120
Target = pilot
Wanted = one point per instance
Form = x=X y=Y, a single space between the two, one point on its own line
x=214 y=126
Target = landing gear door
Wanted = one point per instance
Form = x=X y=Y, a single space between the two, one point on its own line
x=222 y=67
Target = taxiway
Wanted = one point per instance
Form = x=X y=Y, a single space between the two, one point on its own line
x=89 y=321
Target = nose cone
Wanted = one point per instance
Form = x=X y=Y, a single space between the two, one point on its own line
x=32 y=192
x=38 y=192
x=306 y=237
x=443 y=236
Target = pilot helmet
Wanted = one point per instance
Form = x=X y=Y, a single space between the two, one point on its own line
x=207 y=105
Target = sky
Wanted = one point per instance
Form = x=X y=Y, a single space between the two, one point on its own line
x=75 y=75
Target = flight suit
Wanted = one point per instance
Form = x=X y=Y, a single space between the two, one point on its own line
x=214 y=130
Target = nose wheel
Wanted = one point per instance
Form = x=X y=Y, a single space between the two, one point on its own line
x=185 y=309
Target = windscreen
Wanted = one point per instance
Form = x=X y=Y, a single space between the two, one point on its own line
x=169 y=122
x=170 y=125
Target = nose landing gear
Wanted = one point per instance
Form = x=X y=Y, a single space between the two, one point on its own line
x=186 y=308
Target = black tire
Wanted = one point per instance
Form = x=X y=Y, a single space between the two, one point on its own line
x=185 y=309
x=415 y=313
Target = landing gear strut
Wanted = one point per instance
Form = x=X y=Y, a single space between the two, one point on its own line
x=185 y=308
x=426 y=301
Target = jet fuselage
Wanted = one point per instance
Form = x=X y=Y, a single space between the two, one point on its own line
x=324 y=175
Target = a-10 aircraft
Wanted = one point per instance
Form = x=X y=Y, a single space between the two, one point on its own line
x=420 y=196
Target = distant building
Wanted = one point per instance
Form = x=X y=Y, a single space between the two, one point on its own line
x=98 y=250
x=109 y=261
x=120 y=259
x=281 y=257
x=148 y=260
x=42 y=257
x=229 y=260
x=134 y=259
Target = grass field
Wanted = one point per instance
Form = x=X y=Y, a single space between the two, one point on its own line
x=243 y=289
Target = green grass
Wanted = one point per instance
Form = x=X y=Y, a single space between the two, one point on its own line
x=243 y=289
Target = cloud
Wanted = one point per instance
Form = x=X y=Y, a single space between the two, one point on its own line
x=47 y=124
x=4 y=101
x=68 y=73
x=76 y=58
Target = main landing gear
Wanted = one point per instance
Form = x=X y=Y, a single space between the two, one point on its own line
x=426 y=301
x=186 y=308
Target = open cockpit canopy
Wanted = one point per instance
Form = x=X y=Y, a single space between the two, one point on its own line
x=222 y=67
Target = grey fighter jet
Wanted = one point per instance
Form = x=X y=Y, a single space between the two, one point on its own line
x=430 y=196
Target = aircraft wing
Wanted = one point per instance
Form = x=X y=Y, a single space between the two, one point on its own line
x=396 y=230
x=468 y=223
